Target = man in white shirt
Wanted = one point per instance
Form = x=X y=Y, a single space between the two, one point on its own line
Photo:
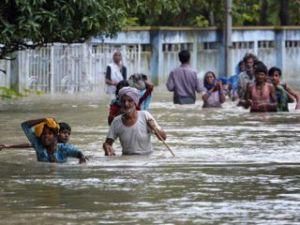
x=132 y=127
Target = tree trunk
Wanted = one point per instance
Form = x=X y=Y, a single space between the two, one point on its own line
x=263 y=15
x=284 y=12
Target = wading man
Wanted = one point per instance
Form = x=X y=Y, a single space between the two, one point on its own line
x=183 y=81
x=132 y=127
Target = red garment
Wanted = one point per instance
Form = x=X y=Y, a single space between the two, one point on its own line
x=114 y=111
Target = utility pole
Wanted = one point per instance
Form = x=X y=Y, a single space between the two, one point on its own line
x=228 y=41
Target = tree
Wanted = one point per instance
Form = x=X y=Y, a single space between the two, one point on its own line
x=32 y=23
x=263 y=19
x=284 y=12
x=202 y=13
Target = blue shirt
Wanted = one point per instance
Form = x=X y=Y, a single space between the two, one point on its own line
x=61 y=153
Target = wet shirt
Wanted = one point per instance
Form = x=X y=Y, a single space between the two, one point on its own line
x=183 y=81
x=61 y=153
x=282 y=99
x=244 y=80
x=136 y=139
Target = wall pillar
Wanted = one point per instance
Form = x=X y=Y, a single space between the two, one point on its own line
x=156 y=60
x=14 y=70
x=280 y=49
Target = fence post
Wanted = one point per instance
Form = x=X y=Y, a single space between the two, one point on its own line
x=51 y=74
x=14 y=71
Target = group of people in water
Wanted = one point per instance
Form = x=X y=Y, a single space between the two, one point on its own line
x=255 y=87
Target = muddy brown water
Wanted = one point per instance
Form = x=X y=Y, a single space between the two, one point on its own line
x=231 y=167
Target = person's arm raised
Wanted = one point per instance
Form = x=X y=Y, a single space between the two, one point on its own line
x=31 y=123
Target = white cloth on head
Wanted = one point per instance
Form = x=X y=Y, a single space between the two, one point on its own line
x=131 y=92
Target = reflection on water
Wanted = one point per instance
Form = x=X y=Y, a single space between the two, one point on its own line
x=231 y=167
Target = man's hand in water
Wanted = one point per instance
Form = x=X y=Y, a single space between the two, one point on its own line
x=2 y=146
x=108 y=149
x=83 y=159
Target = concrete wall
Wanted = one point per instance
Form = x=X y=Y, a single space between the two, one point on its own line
x=152 y=51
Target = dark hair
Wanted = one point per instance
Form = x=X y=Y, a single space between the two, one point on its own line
x=184 y=56
x=53 y=130
x=64 y=126
x=260 y=67
x=273 y=70
x=249 y=56
x=206 y=85
x=121 y=84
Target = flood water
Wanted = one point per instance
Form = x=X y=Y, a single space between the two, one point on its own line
x=231 y=167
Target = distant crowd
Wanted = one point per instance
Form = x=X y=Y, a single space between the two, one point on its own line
x=253 y=86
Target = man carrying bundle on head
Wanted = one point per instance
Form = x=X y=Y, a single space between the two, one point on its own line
x=132 y=127
x=63 y=137
x=43 y=136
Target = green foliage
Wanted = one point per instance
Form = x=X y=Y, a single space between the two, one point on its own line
x=8 y=93
x=202 y=13
x=245 y=12
x=201 y=21
x=30 y=23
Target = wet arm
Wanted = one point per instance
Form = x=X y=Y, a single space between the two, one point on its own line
x=296 y=95
x=221 y=93
x=240 y=89
x=273 y=95
x=170 y=82
x=207 y=94
x=124 y=72
x=149 y=86
x=161 y=134
x=247 y=102
x=107 y=147
x=27 y=125
x=72 y=151
x=222 y=97
x=156 y=129
x=23 y=145
x=31 y=123
x=108 y=77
